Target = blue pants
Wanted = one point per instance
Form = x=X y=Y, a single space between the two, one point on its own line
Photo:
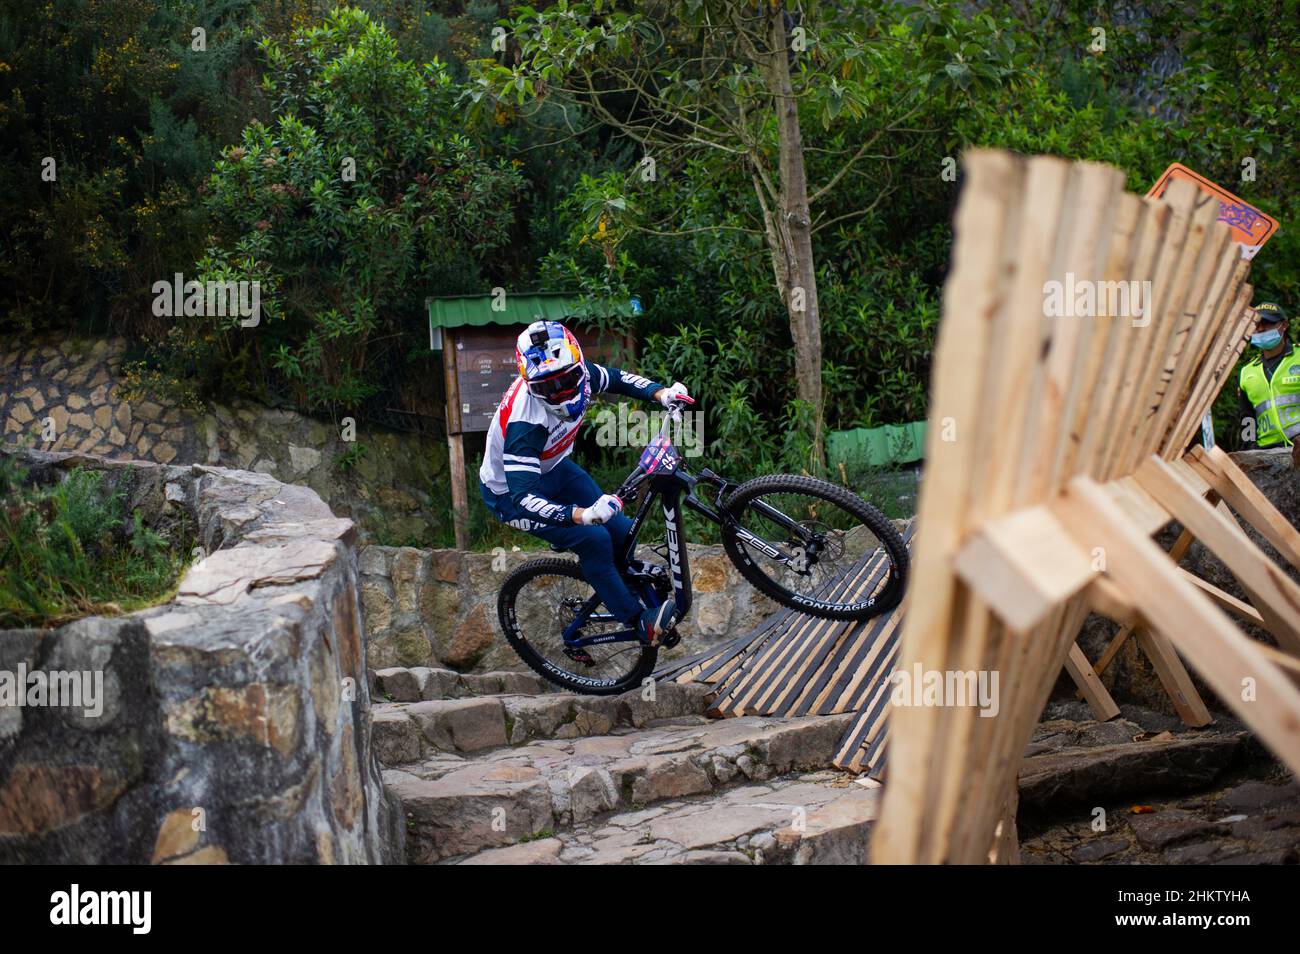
x=598 y=546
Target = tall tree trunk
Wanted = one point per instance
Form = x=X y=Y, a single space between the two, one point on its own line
x=790 y=239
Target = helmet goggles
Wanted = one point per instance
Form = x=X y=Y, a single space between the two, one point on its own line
x=559 y=387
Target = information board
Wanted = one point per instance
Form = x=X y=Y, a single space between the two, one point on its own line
x=485 y=367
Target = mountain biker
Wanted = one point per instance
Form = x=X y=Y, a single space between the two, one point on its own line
x=528 y=480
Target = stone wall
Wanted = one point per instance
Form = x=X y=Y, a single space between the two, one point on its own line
x=438 y=607
x=235 y=725
x=81 y=387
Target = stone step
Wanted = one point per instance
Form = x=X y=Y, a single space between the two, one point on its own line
x=457 y=806
x=1100 y=774
x=818 y=818
x=1256 y=821
x=422 y=684
x=410 y=731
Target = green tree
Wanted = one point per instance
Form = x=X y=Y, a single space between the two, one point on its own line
x=360 y=194
x=726 y=90
x=109 y=120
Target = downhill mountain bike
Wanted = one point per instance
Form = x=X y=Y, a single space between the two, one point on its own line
x=806 y=543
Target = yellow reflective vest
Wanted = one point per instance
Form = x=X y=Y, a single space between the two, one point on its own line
x=1276 y=402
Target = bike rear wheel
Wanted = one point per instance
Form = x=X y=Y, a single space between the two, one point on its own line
x=820 y=548
x=538 y=601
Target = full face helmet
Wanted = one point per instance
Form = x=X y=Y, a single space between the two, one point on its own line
x=550 y=362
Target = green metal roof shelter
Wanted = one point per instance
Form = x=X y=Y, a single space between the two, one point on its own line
x=459 y=311
x=476 y=335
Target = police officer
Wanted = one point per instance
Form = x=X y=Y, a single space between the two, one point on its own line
x=1269 y=392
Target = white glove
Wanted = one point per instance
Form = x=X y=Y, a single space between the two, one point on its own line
x=602 y=510
x=675 y=393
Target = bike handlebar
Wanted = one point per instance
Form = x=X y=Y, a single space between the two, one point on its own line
x=675 y=409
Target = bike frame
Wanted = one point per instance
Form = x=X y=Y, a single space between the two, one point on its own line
x=661 y=467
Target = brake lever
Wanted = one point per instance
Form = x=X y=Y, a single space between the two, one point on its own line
x=676 y=408
x=630 y=486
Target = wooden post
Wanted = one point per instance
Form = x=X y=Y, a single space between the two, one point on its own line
x=455 y=440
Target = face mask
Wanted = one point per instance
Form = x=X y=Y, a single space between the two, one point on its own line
x=1266 y=339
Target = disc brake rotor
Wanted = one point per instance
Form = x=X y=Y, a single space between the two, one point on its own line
x=808 y=554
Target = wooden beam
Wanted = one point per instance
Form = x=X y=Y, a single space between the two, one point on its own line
x=985 y=224
x=1201 y=315
x=1025 y=409
x=1090 y=687
x=1147 y=514
x=1045 y=210
x=1112 y=648
x=1191 y=477
x=1229 y=347
x=1215 y=335
x=1287 y=663
x=1023 y=565
x=1169 y=669
x=1074 y=364
x=1174 y=270
x=1152 y=246
x=1184 y=542
x=1110 y=601
x=1229 y=661
x=1006 y=837
x=1174 y=677
x=1131 y=236
x=459 y=502
x=1275 y=595
x=1179 y=307
x=1226 y=600
x=1240 y=492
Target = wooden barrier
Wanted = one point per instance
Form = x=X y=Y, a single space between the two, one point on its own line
x=1055 y=449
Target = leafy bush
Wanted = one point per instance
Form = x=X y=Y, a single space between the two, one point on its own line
x=359 y=196
x=66 y=551
x=111 y=100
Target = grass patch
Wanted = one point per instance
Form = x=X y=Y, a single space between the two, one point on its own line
x=892 y=490
x=69 y=550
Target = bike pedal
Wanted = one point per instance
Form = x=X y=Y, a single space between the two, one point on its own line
x=670 y=639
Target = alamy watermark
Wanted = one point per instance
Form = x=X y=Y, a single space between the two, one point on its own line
x=212 y=299
x=624 y=426
x=132 y=909
x=1085 y=298
x=57 y=688
x=951 y=688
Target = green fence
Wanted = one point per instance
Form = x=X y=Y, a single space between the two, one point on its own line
x=877 y=446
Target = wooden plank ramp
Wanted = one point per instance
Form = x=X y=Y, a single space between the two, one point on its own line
x=794 y=665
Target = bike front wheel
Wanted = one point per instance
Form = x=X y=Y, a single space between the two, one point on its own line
x=815 y=547
x=542 y=599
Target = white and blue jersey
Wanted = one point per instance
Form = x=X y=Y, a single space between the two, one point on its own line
x=526 y=441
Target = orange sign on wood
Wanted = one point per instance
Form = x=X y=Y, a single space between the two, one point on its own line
x=1251 y=228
